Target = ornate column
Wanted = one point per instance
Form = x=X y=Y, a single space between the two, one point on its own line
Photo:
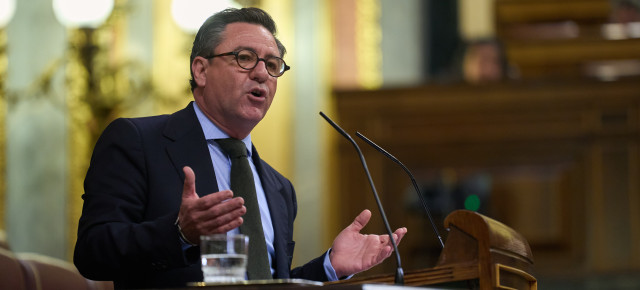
x=90 y=92
x=7 y=9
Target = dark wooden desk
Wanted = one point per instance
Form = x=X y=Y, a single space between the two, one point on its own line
x=480 y=253
x=310 y=287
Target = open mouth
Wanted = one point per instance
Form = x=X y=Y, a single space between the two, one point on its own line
x=258 y=93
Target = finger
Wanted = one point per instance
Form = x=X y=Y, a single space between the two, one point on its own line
x=220 y=197
x=222 y=216
x=216 y=223
x=231 y=225
x=400 y=233
x=385 y=252
x=222 y=225
x=361 y=220
x=221 y=213
x=224 y=212
x=384 y=239
x=189 y=187
x=208 y=229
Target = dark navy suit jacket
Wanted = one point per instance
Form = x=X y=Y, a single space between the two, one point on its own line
x=133 y=191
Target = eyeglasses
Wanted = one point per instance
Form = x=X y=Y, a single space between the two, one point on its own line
x=248 y=59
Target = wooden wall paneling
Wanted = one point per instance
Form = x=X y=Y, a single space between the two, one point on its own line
x=560 y=159
x=527 y=11
x=634 y=200
x=566 y=39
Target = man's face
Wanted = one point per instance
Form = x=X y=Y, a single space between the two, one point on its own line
x=236 y=99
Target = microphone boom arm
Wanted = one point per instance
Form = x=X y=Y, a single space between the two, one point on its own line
x=413 y=180
x=399 y=278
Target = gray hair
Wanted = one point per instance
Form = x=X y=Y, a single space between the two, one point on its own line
x=210 y=34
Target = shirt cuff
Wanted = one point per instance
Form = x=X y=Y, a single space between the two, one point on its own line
x=186 y=244
x=330 y=271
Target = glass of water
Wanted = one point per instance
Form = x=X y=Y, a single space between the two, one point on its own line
x=224 y=257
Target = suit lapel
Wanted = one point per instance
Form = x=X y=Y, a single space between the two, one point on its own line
x=273 y=190
x=189 y=148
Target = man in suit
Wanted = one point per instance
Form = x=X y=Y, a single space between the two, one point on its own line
x=156 y=184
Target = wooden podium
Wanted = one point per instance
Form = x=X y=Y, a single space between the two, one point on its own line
x=479 y=253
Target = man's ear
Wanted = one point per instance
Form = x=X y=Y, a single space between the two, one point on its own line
x=199 y=68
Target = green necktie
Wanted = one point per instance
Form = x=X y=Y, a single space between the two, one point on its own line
x=243 y=186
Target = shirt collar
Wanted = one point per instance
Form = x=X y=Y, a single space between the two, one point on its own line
x=212 y=132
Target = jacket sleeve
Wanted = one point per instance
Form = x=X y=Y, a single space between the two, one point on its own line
x=313 y=270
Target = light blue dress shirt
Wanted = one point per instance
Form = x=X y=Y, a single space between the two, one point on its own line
x=222 y=169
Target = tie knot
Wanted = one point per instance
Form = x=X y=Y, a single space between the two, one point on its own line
x=234 y=148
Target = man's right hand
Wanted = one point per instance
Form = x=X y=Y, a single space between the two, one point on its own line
x=214 y=213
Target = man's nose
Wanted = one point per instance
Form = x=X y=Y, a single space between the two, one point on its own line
x=259 y=72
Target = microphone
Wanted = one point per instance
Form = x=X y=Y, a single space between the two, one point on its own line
x=413 y=180
x=399 y=279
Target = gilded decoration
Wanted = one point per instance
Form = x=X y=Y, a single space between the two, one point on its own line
x=369 y=43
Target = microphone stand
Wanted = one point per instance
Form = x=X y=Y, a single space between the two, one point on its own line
x=413 y=180
x=399 y=278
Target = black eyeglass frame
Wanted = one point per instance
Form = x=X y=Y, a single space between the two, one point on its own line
x=258 y=59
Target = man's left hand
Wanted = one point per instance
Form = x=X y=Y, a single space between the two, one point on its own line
x=353 y=252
